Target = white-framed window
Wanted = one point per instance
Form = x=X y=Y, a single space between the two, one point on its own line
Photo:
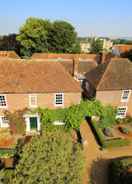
x=33 y=100
x=59 y=99
x=32 y=122
x=3 y=101
x=4 y=122
x=121 y=112
x=125 y=95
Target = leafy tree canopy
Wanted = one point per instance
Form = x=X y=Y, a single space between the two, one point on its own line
x=34 y=35
x=63 y=38
x=39 y=35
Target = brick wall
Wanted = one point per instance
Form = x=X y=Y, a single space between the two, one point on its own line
x=114 y=98
x=64 y=56
x=21 y=101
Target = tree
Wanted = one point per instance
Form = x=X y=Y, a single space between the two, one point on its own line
x=63 y=38
x=39 y=35
x=9 y=42
x=50 y=159
x=122 y=41
x=96 y=46
x=34 y=36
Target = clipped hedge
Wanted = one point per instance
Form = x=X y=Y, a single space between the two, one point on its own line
x=115 y=142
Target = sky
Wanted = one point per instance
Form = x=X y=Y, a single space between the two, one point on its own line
x=112 y=18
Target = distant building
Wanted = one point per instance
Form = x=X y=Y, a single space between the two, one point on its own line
x=85 y=47
x=107 y=45
x=121 y=48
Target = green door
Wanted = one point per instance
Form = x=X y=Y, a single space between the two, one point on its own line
x=33 y=123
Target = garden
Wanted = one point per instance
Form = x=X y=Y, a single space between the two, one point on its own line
x=64 y=123
x=111 y=132
x=69 y=119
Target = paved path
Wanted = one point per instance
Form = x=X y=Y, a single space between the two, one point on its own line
x=97 y=160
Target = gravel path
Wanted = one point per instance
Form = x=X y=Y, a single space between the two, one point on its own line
x=96 y=159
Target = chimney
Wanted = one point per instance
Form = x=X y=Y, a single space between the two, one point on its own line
x=75 y=65
x=106 y=57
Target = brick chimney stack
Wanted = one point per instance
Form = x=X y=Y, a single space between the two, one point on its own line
x=75 y=65
x=106 y=57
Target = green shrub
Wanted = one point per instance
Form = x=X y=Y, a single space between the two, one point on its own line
x=91 y=108
x=118 y=171
x=117 y=142
x=108 y=117
x=52 y=158
x=99 y=134
x=16 y=121
x=74 y=117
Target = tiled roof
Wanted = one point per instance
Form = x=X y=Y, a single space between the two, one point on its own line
x=112 y=76
x=69 y=66
x=18 y=76
x=123 y=47
x=82 y=66
x=64 y=56
x=86 y=66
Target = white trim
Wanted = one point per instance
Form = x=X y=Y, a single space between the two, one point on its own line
x=2 y=124
x=59 y=105
x=27 y=121
x=4 y=107
x=125 y=100
x=122 y=116
x=58 y=123
x=36 y=100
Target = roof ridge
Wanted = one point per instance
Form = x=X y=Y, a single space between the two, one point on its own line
x=68 y=75
x=105 y=72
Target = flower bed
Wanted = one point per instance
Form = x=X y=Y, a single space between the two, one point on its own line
x=6 y=153
x=7 y=157
x=113 y=142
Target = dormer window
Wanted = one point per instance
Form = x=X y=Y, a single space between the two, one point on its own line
x=3 y=102
x=125 y=95
x=59 y=99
